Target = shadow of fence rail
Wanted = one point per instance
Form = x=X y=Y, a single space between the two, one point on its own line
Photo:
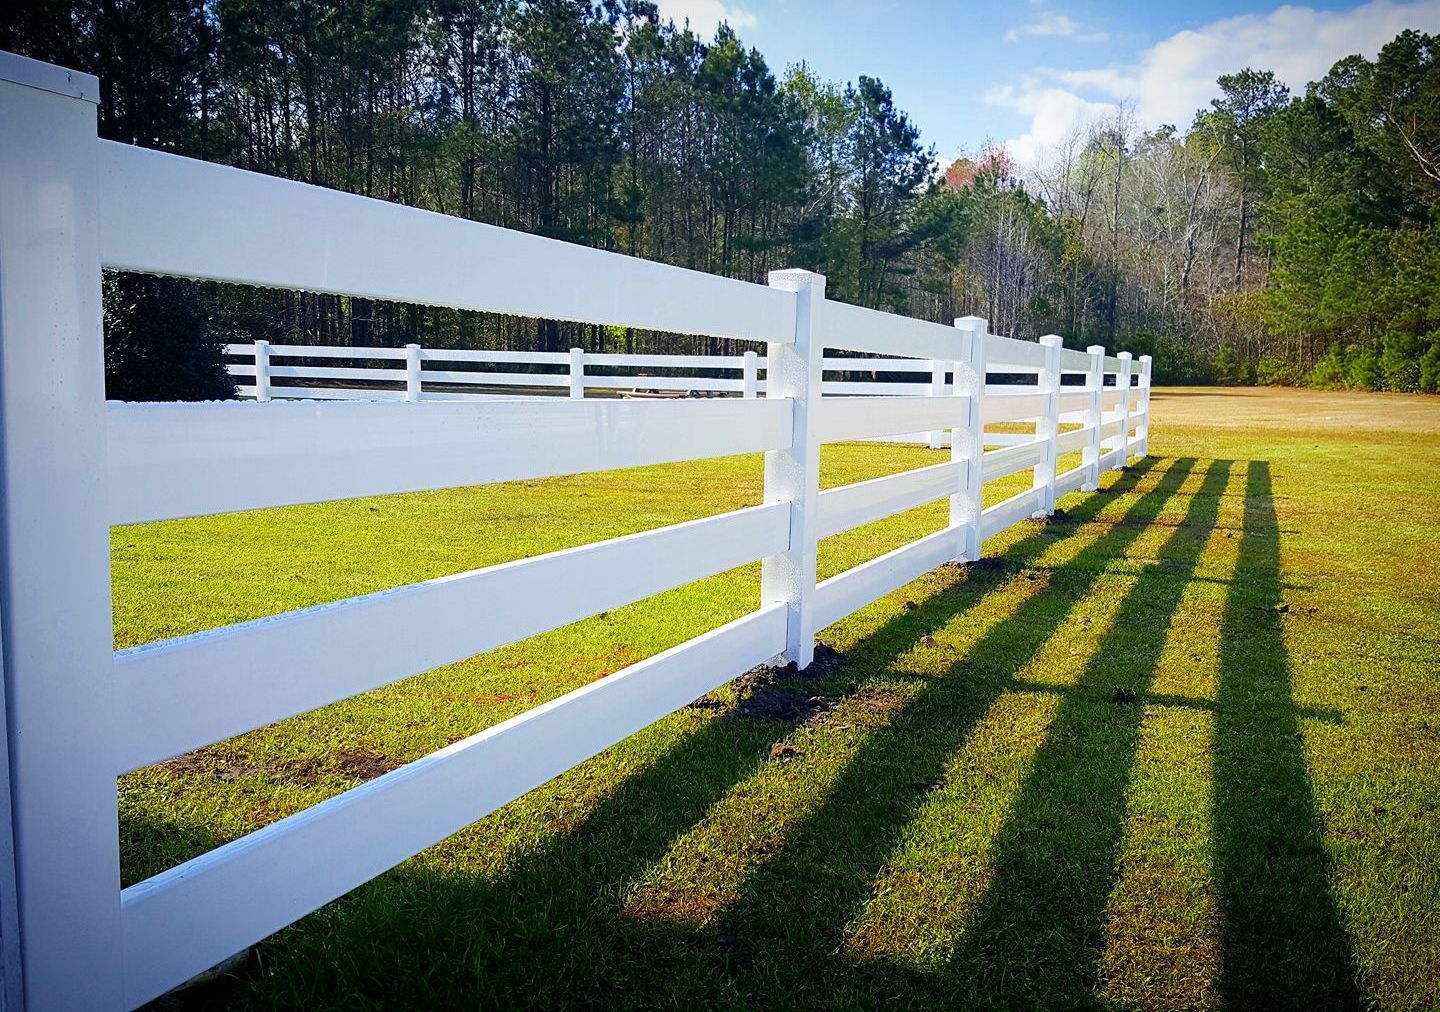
x=552 y=929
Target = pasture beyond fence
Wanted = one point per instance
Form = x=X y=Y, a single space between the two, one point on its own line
x=79 y=714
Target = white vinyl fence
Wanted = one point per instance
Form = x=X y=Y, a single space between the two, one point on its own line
x=79 y=714
x=265 y=372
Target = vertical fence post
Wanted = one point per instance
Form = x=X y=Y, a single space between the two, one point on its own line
x=752 y=374
x=937 y=389
x=1047 y=427
x=577 y=374
x=967 y=445
x=412 y=372
x=55 y=543
x=793 y=474
x=1094 y=417
x=262 y=370
x=1142 y=435
x=1123 y=409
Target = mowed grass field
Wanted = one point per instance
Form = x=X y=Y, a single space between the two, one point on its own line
x=1179 y=748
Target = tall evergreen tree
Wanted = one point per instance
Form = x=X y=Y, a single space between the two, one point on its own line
x=889 y=165
x=1237 y=121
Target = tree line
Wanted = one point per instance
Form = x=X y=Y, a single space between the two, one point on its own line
x=1280 y=239
x=1276 y=238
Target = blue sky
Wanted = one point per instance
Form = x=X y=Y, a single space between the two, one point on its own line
x=1024 y=73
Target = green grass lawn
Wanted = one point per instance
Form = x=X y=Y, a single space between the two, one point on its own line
x=1176 y=749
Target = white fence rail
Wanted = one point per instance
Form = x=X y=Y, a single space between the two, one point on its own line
x=79 y=714
x=269 y=372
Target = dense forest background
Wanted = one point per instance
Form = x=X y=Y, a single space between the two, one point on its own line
x=1277 y=238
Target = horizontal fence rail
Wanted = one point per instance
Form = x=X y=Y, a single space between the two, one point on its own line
x=579 y=374
x=179 y=460
x=258 y=366
x=327 y=423
x=179 y=694
x=234 y=220
x=221 y=902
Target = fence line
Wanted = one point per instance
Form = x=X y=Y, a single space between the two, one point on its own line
x=553 y=373
x=580 y=377
x=77 y=713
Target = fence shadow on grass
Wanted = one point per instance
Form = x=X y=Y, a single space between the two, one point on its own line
x=1284 y=943
x=551 y=930
x=1034 y=940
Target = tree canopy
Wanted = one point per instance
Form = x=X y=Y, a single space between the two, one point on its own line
x=1278 y=238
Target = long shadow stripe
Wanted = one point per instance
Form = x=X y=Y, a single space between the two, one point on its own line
x=1284 y=943
x=1036 y=937
x=793 y=910
x=549 y=931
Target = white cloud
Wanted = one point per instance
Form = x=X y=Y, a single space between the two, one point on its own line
x=1169 y=81
x=1053 y=24
x=705 y=15
x=1053 y=113
x=1177 y=76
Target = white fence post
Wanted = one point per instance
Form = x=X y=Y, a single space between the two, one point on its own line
x=262 y=370
x=937 y=389
x=412 y=372
x=793 y=475
x=1094 y=417
x=55 y=543
x=967 y=445
x=752 y=374
x=1048 y=426
x=1142 y=435
x=577 y=374
x=1123 y=409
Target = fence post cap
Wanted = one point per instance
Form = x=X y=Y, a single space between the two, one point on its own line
x=793 y=279
x=1096 y=349
x=1050 y=340
x=971 y=323
x=1124 y=356
x=17 y=69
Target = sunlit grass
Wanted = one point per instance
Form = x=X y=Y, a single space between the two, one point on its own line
x=1174 y=751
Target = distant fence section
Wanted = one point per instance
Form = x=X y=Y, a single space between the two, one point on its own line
x=330 y=423
x=264 y=371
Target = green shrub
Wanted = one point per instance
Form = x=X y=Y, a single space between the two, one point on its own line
x=161 y=340
x=1329 y=372
x=1430 y=365
x=1229 y=369
x=1363 y=370
x=1400 y=360
x=1272 y=370
x=1175 y=360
